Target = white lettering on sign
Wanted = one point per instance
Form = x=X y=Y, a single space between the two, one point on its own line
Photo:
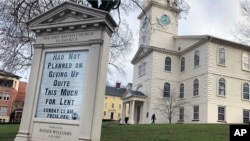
x=68 y=37
x=62 y=85
x=239 y=132
x=54 y=132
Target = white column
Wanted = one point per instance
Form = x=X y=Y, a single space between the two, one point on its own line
x=123 y=113
x=24 y=129
x=131 y=113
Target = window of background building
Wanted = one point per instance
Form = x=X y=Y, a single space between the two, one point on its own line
x=182 y=64
x=246 y=95
x=104 y=113
x=196 y=58
x=6 y=83
x=120 y=106
x=113 y=105
x=246 y=116
x=6 y=97
x=196 y=87
x=222 y=87
x=182 y=90
x=221 y=113
x=3 y=110
x=166 y=92
x=18 y=116
x=168 y=64
x=1 y=96
x=2 y=120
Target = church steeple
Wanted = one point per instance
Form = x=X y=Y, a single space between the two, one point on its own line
x=159 y=23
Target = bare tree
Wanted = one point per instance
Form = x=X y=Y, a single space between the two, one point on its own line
x=16 y=39
x=169 y=105
x=243 y=29
x=16 y=50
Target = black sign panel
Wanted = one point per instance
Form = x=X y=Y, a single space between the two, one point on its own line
x=239 y=132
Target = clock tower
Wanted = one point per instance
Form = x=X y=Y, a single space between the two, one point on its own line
x=159 y=23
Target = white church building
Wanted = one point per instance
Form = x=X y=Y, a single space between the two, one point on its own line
x=210 y=74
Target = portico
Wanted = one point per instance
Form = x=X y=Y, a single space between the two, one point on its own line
x=136 y=101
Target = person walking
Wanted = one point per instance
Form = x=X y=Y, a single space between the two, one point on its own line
x=153 y=118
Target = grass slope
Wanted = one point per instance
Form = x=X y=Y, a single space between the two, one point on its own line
x=166 y=132
x=8 y=131
x=157 y=132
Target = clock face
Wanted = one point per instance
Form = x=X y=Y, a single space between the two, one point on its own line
x=164 y=19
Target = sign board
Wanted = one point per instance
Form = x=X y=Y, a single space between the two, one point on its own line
x=65 y=97
x=62 y=85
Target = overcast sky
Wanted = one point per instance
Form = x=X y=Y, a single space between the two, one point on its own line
x=213 y=17
x=207 y=17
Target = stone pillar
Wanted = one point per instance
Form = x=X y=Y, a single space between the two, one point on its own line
x=132 y=112
x=24 y=129
x=123 y=113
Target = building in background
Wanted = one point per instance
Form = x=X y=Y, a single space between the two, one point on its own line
x=12 y=93
x=210 y=74
x=113 y=102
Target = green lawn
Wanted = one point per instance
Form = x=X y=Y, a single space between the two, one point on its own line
x=8 y=131
x=166 y=132
x=158 y=132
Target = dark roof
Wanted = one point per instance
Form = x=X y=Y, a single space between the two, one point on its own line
x=113 y=91
x=8 y=74
x=137 y=93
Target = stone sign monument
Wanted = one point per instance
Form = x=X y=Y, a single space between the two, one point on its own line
x=66 y=87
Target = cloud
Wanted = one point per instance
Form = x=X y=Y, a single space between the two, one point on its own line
x=214 y=17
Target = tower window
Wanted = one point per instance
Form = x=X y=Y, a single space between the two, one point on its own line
x=246 y=91
x=196 y=87
x=181 y=114
x=221 y=113
x=168 y=64
x=196 y=113
x=145 y=23
x=222 y=55
x=246 y=116
x=182 y=64
x=222 y=87
x=197 y=58
x=245 y=61
x=182 y=91
x=142 y=69
x=166 y=92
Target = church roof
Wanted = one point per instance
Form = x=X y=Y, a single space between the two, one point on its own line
x=133 y=94
x=211 y=38
x=113 y=91
x=137 y=93
x=144 y=50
